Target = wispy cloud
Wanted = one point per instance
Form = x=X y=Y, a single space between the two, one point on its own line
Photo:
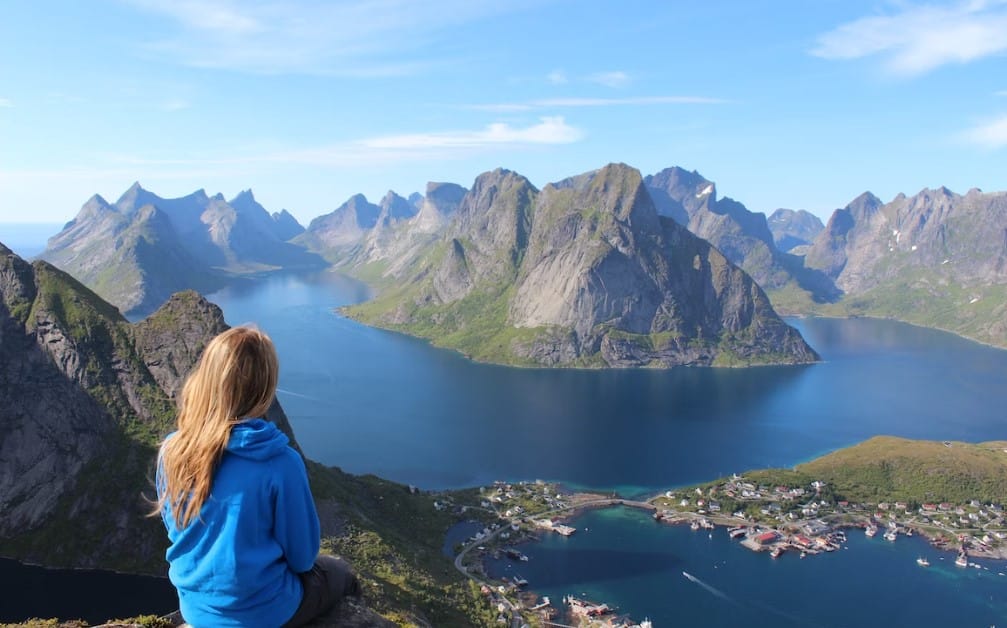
x=921 y=38
x=557 y=77
x=610 y=79
x=348 y=38
x=410 y=147
x=991 y=135
x=558 y=103
x=1002 y=92
x=549 y=130
x=6 y=103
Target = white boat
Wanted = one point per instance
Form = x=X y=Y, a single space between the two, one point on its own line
x=871 y=530
x=922 y=562
x=891 y=535
x=962 y=560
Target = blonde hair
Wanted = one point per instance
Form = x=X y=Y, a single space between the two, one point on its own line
x=235 y=379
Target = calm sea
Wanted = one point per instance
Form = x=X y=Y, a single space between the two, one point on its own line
x=372 y=401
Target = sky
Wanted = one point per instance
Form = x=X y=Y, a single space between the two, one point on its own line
x=801 y=104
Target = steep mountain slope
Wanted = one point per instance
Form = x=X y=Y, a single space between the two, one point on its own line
x=137 y=252
x=80 y=418
x=583 y=273
x=742 y=236
x=87 y=396
x=379 y=243
x=937 y=259
x=336 y=234
x=793 y=229
x=133 y=259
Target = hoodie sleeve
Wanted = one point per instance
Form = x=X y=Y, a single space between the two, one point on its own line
x=294 y=516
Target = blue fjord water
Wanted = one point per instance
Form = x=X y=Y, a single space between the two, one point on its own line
x=372 y=401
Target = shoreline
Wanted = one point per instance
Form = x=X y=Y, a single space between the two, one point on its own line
x=786 y=536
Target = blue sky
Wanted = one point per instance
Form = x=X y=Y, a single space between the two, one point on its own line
x=790 y=103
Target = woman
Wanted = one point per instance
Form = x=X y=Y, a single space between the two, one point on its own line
x=235 y=499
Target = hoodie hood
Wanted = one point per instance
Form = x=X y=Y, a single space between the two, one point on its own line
x=257 y=439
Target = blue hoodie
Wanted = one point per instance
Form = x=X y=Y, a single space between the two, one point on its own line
x=237 y=564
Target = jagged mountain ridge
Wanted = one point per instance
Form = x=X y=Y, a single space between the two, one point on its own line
x=138 y=251
x=936 y=258
x=743 y=236
x=586 y=273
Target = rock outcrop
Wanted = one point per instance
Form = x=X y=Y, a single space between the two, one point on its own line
x=86 y=396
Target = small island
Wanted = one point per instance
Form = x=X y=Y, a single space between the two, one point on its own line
x=951 y=493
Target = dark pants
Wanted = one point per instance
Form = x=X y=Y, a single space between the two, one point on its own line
x=325 y=585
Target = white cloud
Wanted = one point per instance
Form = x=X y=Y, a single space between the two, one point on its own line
x=549 y=130
x=990 y=135
x=610 y=79
x=347 y=38
x=921 y=38
x=1002 y=92
x=6 y=103
x=557 y=77
x=382 y=150
x=552 y=103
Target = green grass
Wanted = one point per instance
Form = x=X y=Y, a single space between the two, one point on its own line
x=886 y=468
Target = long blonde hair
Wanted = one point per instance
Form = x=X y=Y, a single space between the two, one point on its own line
x=235 y=379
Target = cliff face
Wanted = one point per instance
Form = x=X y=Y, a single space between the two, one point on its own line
x=585 y=273
x=86 y=397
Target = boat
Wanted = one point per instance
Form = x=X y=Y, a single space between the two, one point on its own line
x=776 y=552
x=803 y=554
x=694 y=525
x=736 y=532
x=519 y=582
x=891 y=535
x=962 y=560
x=871 y=529
x=922 y=562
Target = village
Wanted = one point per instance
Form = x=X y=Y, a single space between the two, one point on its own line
x=807 y=519
x=771 y=518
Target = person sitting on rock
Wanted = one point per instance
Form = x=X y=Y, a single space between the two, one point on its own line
x=234 y=497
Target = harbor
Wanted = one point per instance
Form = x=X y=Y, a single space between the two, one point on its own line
x=524 y=515
x=621 y=558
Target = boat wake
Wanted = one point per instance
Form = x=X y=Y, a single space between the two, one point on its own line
x=712 y=590
x=756 y=605
x=293 y=394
